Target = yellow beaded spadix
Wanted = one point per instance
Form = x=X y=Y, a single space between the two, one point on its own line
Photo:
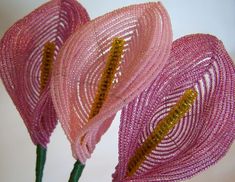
x=108 y=75
x=164 y=126
x=47 y=62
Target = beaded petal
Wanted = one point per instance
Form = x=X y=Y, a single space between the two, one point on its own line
x=202 y=136
x=144 y=28
x=21 y=57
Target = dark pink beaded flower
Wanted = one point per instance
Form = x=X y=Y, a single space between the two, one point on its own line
x=166 y=135
x=27 y=54
x=21 y=55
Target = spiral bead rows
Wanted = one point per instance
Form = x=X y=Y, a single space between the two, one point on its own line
x=26 y=56
x=176 y=113
x=203 y=135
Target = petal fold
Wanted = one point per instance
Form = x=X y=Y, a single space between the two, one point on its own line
x=145 y=28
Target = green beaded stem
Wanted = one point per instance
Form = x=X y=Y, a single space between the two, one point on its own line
x=76 y=172
x=40 y=162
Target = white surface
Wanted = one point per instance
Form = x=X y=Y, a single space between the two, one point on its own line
x=17 y=154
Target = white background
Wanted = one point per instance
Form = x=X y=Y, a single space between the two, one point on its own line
x=17 y=153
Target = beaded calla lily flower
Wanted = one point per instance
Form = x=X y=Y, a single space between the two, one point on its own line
x=184 y=122
x=27 y=52
x=103 y=66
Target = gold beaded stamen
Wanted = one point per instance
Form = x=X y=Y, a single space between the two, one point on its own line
x=164 y=126
x=107 y=77
x=47 y=62
x=113 y=62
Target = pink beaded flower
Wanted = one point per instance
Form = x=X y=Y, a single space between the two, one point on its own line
x=184 y=122
x=27 y=52
x=103 y=66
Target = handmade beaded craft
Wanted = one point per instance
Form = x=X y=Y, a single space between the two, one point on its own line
x=164 y=126
x=108 y=75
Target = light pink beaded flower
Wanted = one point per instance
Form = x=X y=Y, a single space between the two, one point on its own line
x=202 y=135
x=21 y=57
x=141 y=36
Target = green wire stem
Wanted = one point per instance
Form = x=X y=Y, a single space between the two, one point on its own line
x=40 y=162
x=76 y=172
